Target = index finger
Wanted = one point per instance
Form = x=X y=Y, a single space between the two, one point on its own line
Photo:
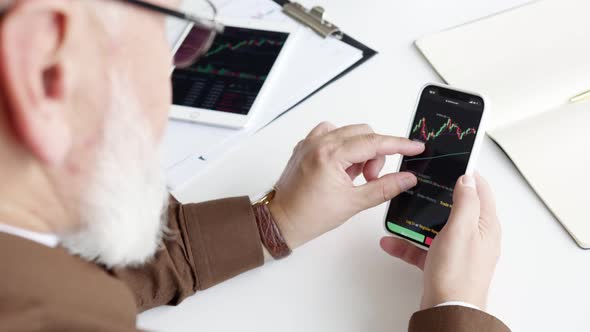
x=362 y=148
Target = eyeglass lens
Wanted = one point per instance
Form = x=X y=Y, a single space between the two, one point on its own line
x=197 y=42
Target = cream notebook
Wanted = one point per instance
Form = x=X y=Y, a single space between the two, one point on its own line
x=530 y=61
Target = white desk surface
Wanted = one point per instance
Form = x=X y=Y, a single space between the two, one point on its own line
x=342 y=281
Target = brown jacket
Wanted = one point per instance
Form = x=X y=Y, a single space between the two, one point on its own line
x=46 y=289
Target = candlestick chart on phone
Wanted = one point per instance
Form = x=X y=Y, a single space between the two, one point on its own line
x=442 y=130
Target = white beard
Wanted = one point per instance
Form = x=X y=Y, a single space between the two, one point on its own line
x=123 y=212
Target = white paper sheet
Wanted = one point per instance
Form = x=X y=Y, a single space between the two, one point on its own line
x=527 y=60
x=552 y=151
x=259 y=9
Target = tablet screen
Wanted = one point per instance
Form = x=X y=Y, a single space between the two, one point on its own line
x=230 y=75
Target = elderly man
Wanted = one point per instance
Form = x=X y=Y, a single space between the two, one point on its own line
x=88 y=233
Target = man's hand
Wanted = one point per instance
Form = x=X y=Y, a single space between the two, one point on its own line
x=461 y=261
x=316 y=192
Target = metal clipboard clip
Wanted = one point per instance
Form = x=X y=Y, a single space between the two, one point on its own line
x=313 y=19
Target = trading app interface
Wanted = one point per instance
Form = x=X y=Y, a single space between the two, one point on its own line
x=447 y=122
x=230 y=75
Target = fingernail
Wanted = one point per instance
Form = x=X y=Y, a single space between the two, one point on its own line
x=468 y=181
x=408 y=181
x=418 y=144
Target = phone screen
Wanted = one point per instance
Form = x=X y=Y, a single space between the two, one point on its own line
x=447 y=121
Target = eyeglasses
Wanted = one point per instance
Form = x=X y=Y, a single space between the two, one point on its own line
x=198 y=41
x=201 y=36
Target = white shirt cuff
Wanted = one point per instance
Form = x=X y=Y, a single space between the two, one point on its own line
x=458 y=303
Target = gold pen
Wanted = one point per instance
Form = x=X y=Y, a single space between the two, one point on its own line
x=580 y=97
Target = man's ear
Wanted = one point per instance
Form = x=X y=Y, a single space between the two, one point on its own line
x=32 y=36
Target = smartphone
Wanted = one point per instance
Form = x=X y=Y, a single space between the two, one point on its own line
x=451 y=123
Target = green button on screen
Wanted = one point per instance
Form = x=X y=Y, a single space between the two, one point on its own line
x=397 y=229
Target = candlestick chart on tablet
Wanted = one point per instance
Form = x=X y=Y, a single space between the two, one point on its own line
x=230 y=76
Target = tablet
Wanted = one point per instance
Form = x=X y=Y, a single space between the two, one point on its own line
x=226 y=86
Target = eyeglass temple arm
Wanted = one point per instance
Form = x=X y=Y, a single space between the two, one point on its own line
x=177 y=14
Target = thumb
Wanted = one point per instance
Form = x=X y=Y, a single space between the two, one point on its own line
x=466 y=204
x=385 y=188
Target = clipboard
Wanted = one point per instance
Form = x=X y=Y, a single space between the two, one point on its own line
x=182 y=165
x=313 y=18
